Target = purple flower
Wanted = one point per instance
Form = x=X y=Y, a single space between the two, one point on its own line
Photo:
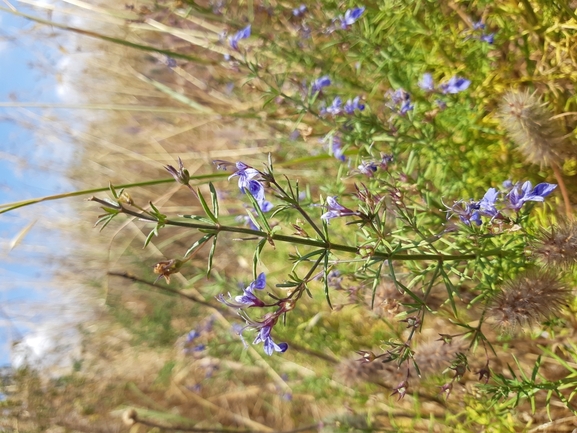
x=427 y=82
x=406 y=106
x=300 y=11
x=248 y=179
x=489 y=38
x=247 y=299
x=256 y=189
x=336 y=210
x=321 y=82
x=268 y=344
x=241 y=34
x=478 y=25
x=487 y=203
x=467 y=212
x=335 y=144
x=192 y=335
x=386 y=159
x=518 y=198
x=353 y=105
x=402 y=98
x=335 y=107
x=455 y=85
x=351 y=16
x=368 y=168
x=244 y=172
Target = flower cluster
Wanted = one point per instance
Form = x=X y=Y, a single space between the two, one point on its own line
x=249 y=299
x=401 y=101
x=349 y=108
x=517 y=196
x=300 y=11
x=485 y=37
x=369 y=168
x=249 y=179
x=455 y=84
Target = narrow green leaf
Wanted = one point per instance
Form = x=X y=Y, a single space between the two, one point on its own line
x=450 y=290
x=309 y=255
x=548 y=403
x=104 y=220
x=376 y=282
x=402 y=288
x=263 y=222
x=197 y=218
x=536 y=368
x=211 y=256
x=205 y=207
x=214 y=197
x=326 y=278
x=152 y=233
x=198 y=244
x=256 y=256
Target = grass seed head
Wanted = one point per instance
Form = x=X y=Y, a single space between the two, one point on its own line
x=557 y=246
x=528 y=299
x=528 y=124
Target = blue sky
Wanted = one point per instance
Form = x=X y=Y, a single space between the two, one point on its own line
x=23 y=171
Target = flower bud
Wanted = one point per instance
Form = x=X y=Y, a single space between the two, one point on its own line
x=181 y=175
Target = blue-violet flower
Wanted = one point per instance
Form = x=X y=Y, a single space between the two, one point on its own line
x=248 y=298
x=335 y=209
x=321 y=82
x=353 y=105
x=351 y=16
x=455 y=84
x=241 y=34
x=427 y=82
x=518 y=198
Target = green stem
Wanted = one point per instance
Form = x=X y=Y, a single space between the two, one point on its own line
x=326 y=245
x=7 y=207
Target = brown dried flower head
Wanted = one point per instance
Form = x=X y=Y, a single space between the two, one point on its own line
x=557 y=246
x=166 y=268
x=528 y=124
x=528 y=299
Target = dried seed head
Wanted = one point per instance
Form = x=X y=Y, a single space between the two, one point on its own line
x=431 y=357
x=557 y=246
x=528 y=299
x=528 y=124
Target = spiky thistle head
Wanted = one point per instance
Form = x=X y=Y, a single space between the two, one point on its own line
x=557 y=246
x=528 y=123
x=530 y=298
